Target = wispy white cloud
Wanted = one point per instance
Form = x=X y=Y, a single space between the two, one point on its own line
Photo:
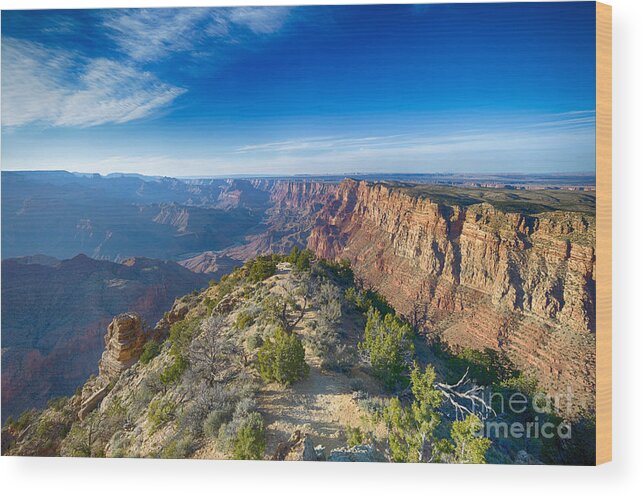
x=150 y=34
x=147 y=35
x=506 y=132
x=539 y=143
x=57 y=88
x=466 y=151
x=324 y=143
x=260 y=20
x=53 y=87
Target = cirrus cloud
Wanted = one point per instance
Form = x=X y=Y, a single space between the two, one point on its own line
x=148 y=35
x=56 y=88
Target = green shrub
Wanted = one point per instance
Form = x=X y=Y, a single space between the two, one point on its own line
x=178 y=449
x=282 y=358
x=261 y=268
x=294 y=254
x=173 y=373
x=213 y=422
x=250 y=440
x=364 y=300
x=411 y=428
x=303 y=261
x=160 y=412
x=24 y=420
x=77 y=443
x=57 y=403
x=522 y=383
x=340 y=271
x=468 y=446
x=389 y=348
x=243 y=321
x=486 y=366
x=253 y=342
x=44 y=427
x=181 y=335
x=150 y=351
x=355 y=436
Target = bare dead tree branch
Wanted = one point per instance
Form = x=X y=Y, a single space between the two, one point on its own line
x=466 y=398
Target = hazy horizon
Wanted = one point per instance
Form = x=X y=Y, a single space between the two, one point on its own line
x=258 y=91
x=313 y=175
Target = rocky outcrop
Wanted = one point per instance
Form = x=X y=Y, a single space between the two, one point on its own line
x=304 y=196
x=294 y=205
x=124 y=343
x=178 y=311
x=357 y=453
x=298 y=448
x=478 y=274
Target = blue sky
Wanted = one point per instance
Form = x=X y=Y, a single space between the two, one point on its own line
x=292 y=90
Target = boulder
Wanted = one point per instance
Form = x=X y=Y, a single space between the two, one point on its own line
x=298 y=448
x=358 y=453
x=91 y=402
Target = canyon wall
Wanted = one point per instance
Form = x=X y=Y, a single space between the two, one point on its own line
x=475 y=274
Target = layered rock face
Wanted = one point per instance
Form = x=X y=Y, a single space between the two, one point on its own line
x=304 y=196
x=124 y=343
x=290 y=218
x=480 y=276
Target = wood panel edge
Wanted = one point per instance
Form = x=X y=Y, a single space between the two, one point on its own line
x=603 y=233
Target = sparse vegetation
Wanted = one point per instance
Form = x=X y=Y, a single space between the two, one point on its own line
x=250 y=439
x=260 y=268
x=244 y=320
x=282 y=358
x=150 y=351
x=214 y=421
x=300 y=259
x=468 y=447
x=388 y=348
x=178 y=449
x=209 y=352
x=486 y=366
x=181 y=335
x=173 y=373
x=355 y=436
x=200 y=391
x=160 y=412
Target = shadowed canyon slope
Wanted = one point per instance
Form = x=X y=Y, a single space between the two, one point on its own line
x=54 y=315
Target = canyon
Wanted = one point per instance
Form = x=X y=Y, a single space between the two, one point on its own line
x=514 y=272
x=508 y=269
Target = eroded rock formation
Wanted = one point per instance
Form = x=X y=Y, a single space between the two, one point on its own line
x=480 y=276
x=124 y=343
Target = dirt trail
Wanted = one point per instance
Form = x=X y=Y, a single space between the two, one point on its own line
x=322 y=405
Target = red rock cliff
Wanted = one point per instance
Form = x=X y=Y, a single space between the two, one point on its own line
x=480 y=276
